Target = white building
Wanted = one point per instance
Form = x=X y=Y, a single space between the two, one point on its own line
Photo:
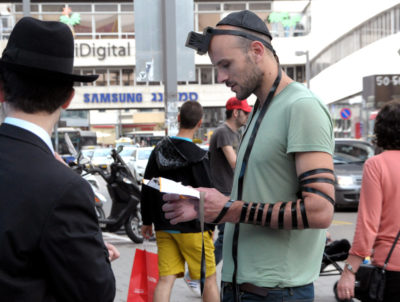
x=345 y=41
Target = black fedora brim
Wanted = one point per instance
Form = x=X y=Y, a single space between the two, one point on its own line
x=48 y=73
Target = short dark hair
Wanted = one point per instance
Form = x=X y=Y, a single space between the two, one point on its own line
x=387 y=126
x=228 y=114
x=34 y=94
x=191 y=113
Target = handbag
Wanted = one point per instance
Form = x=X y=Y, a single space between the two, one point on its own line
x=370 y=279
x=144 y=277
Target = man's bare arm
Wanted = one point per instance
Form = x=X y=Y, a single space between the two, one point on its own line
x=313 y=210
x=230 y=155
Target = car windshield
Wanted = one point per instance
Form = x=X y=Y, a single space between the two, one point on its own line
x=102 y=152
x=353 y=151
x=341 y=158
x=127 y=151
x=87 y=153
x=144 y=154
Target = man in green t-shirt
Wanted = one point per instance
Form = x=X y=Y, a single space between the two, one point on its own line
x=282 y=197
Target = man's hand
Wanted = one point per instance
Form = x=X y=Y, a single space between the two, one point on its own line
x=180 y=210
x=147 y=231
x=112 y=251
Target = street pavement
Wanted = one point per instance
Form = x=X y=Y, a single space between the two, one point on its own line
x=342 y=227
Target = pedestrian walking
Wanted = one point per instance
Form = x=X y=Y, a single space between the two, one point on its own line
x=379 y=209
x=179 y=159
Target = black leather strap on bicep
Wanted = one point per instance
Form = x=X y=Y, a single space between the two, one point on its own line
x=315 y=171
x=303 y=182
x=318 y=192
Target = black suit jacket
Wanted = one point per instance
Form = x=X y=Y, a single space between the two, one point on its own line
x=51 y=247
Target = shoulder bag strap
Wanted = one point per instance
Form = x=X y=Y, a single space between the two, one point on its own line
x=391 y=250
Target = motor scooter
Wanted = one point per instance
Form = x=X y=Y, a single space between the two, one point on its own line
x=125 y=196
x=124 y=193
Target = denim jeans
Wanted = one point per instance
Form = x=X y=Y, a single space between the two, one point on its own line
x=294 y=294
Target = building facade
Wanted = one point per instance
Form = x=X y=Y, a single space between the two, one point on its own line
x=340 y=52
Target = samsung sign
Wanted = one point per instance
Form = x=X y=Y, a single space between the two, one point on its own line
x=134 y=97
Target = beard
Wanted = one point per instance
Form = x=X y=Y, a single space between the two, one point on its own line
x=252 y=79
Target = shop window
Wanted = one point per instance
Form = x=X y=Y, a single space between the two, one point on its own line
x=88 y=72
x=260 y=6
x=106 y=8
x=208 y=20
x=215 y=75
x=127 y=77
x=209 y=7
x=206 y=75
x=106 y=23
x=102 y=80
x=79 y=8
x=114 y=79
x=84 y=28
x=19 y=7
x=20 y=16
x=55 y=8
x=50 y=17
x=234 y=6
x=196 y=81
x=127 y=23
x=300 y=77
x=290 y=71
x=127 y=8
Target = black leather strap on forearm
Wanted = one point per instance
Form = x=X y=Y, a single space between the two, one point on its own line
x=281 y=215
x=223 y=211
x=244 y=212
x=294 y=214
x=269 y=215
x=303 y=214
x=252 y=212
x=260 y=213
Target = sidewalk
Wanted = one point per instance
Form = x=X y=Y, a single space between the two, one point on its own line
x=181 y=293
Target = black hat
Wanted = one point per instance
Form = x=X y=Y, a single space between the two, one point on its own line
x=42 y=48
x=247 y=20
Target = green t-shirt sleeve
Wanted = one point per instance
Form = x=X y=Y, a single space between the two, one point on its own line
x=310 y=127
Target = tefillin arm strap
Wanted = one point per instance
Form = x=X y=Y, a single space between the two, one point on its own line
x=250 y=143
x=253 y=213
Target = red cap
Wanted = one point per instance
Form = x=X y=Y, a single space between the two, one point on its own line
x=234 y=103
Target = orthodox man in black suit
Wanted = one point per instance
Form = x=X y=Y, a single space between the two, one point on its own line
x=51 y=247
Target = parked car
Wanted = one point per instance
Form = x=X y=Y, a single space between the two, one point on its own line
x=348 y=159
x=141 y=157
x=128 y=156
x=101 y=158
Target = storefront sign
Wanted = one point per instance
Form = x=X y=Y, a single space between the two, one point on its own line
x=94 y=50
x=134 y=97
x=379 y=89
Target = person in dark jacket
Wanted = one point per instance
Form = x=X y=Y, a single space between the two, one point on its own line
x=179 y=159
x=51 y=246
